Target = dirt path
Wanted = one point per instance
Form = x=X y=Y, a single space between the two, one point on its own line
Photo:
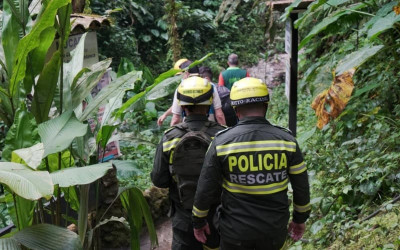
x=164 y=234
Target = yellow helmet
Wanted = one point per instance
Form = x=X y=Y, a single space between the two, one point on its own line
x=195 y=91
x=179 y=63
x=249 y=90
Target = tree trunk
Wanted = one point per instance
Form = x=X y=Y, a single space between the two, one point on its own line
x=78 y=6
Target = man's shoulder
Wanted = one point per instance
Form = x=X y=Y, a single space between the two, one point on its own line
x=174 y=131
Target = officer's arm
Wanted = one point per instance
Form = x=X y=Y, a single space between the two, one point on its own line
x=301 y=189
x=160 y=175
x=208 y=188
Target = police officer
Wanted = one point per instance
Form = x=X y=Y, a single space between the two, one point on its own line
x=254 y=162
x=195 y=97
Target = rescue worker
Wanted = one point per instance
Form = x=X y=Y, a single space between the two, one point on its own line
x=254 y=162
x=176 y=111
x=195 y=97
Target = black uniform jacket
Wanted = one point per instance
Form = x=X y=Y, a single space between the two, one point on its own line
x=254 y=162
x=160 y=175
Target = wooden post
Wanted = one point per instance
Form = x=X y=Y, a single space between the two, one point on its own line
x=293 y=74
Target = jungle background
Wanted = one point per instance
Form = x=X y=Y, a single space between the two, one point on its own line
x=348 y=109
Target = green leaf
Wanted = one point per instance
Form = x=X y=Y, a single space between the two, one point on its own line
x=67 y=161
x=136 y=205
x=45 y=89
x=329 y=20
x=72 y=69
x=32 y=41
x=309 y=12
x=365 y=89
x=29 y=184
x=355 y=59
x=370 y=187
x=32 y=156
x=104 y=135
x=23 y=207
x=125 y=66
x=164 y=88
x=289 y=9
x=121 y=84
x=82 y=86
x=81 y=175
x=47 y=237
x=383 y=24
x=38 y=55
x=9 y=244
x=58 y=133
x=337 y=2
x=126 y=169
x=10 y=34
x=317 y=226
x=22 y=134
x=306 y=135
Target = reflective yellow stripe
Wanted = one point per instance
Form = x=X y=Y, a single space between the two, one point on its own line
x=298 y=169
x=254 y=146
x=301 y=209
x=259 y=189
x=209 y=248
x=199 y=213
x=167 y=146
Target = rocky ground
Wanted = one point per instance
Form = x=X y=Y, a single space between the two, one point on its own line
x=272 y=72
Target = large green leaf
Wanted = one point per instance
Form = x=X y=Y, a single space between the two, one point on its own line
x=32 y=156
x=70 y=70
x=126 y=169
x=47 y=237
x=22 y=134
x=10 y=33
x=9 y=244
x=32 y=41
x=329 y=20
x=136 y=205
x=113 y=89
x=29 y=184
x=104 y=135
x=6 y=110
x=45 y=89
x=80 y=176
x=22 y=206
x=355 y=59
x=58 y=133
x=89 y=79
x=38 y=55
x=165 y=88
x=383 y=24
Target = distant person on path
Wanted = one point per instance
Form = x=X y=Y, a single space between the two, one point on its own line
x=233 y=73
x=179 y=159
x=253 y=163
x=176 y=111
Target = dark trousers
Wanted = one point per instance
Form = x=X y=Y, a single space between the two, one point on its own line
x=267 y=243
x=183 y=235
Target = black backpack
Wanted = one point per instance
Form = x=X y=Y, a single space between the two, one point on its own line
x=227 y=109
x=188 y=158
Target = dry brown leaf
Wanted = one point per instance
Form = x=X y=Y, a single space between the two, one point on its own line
x=396 y=9
x=336 y=97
